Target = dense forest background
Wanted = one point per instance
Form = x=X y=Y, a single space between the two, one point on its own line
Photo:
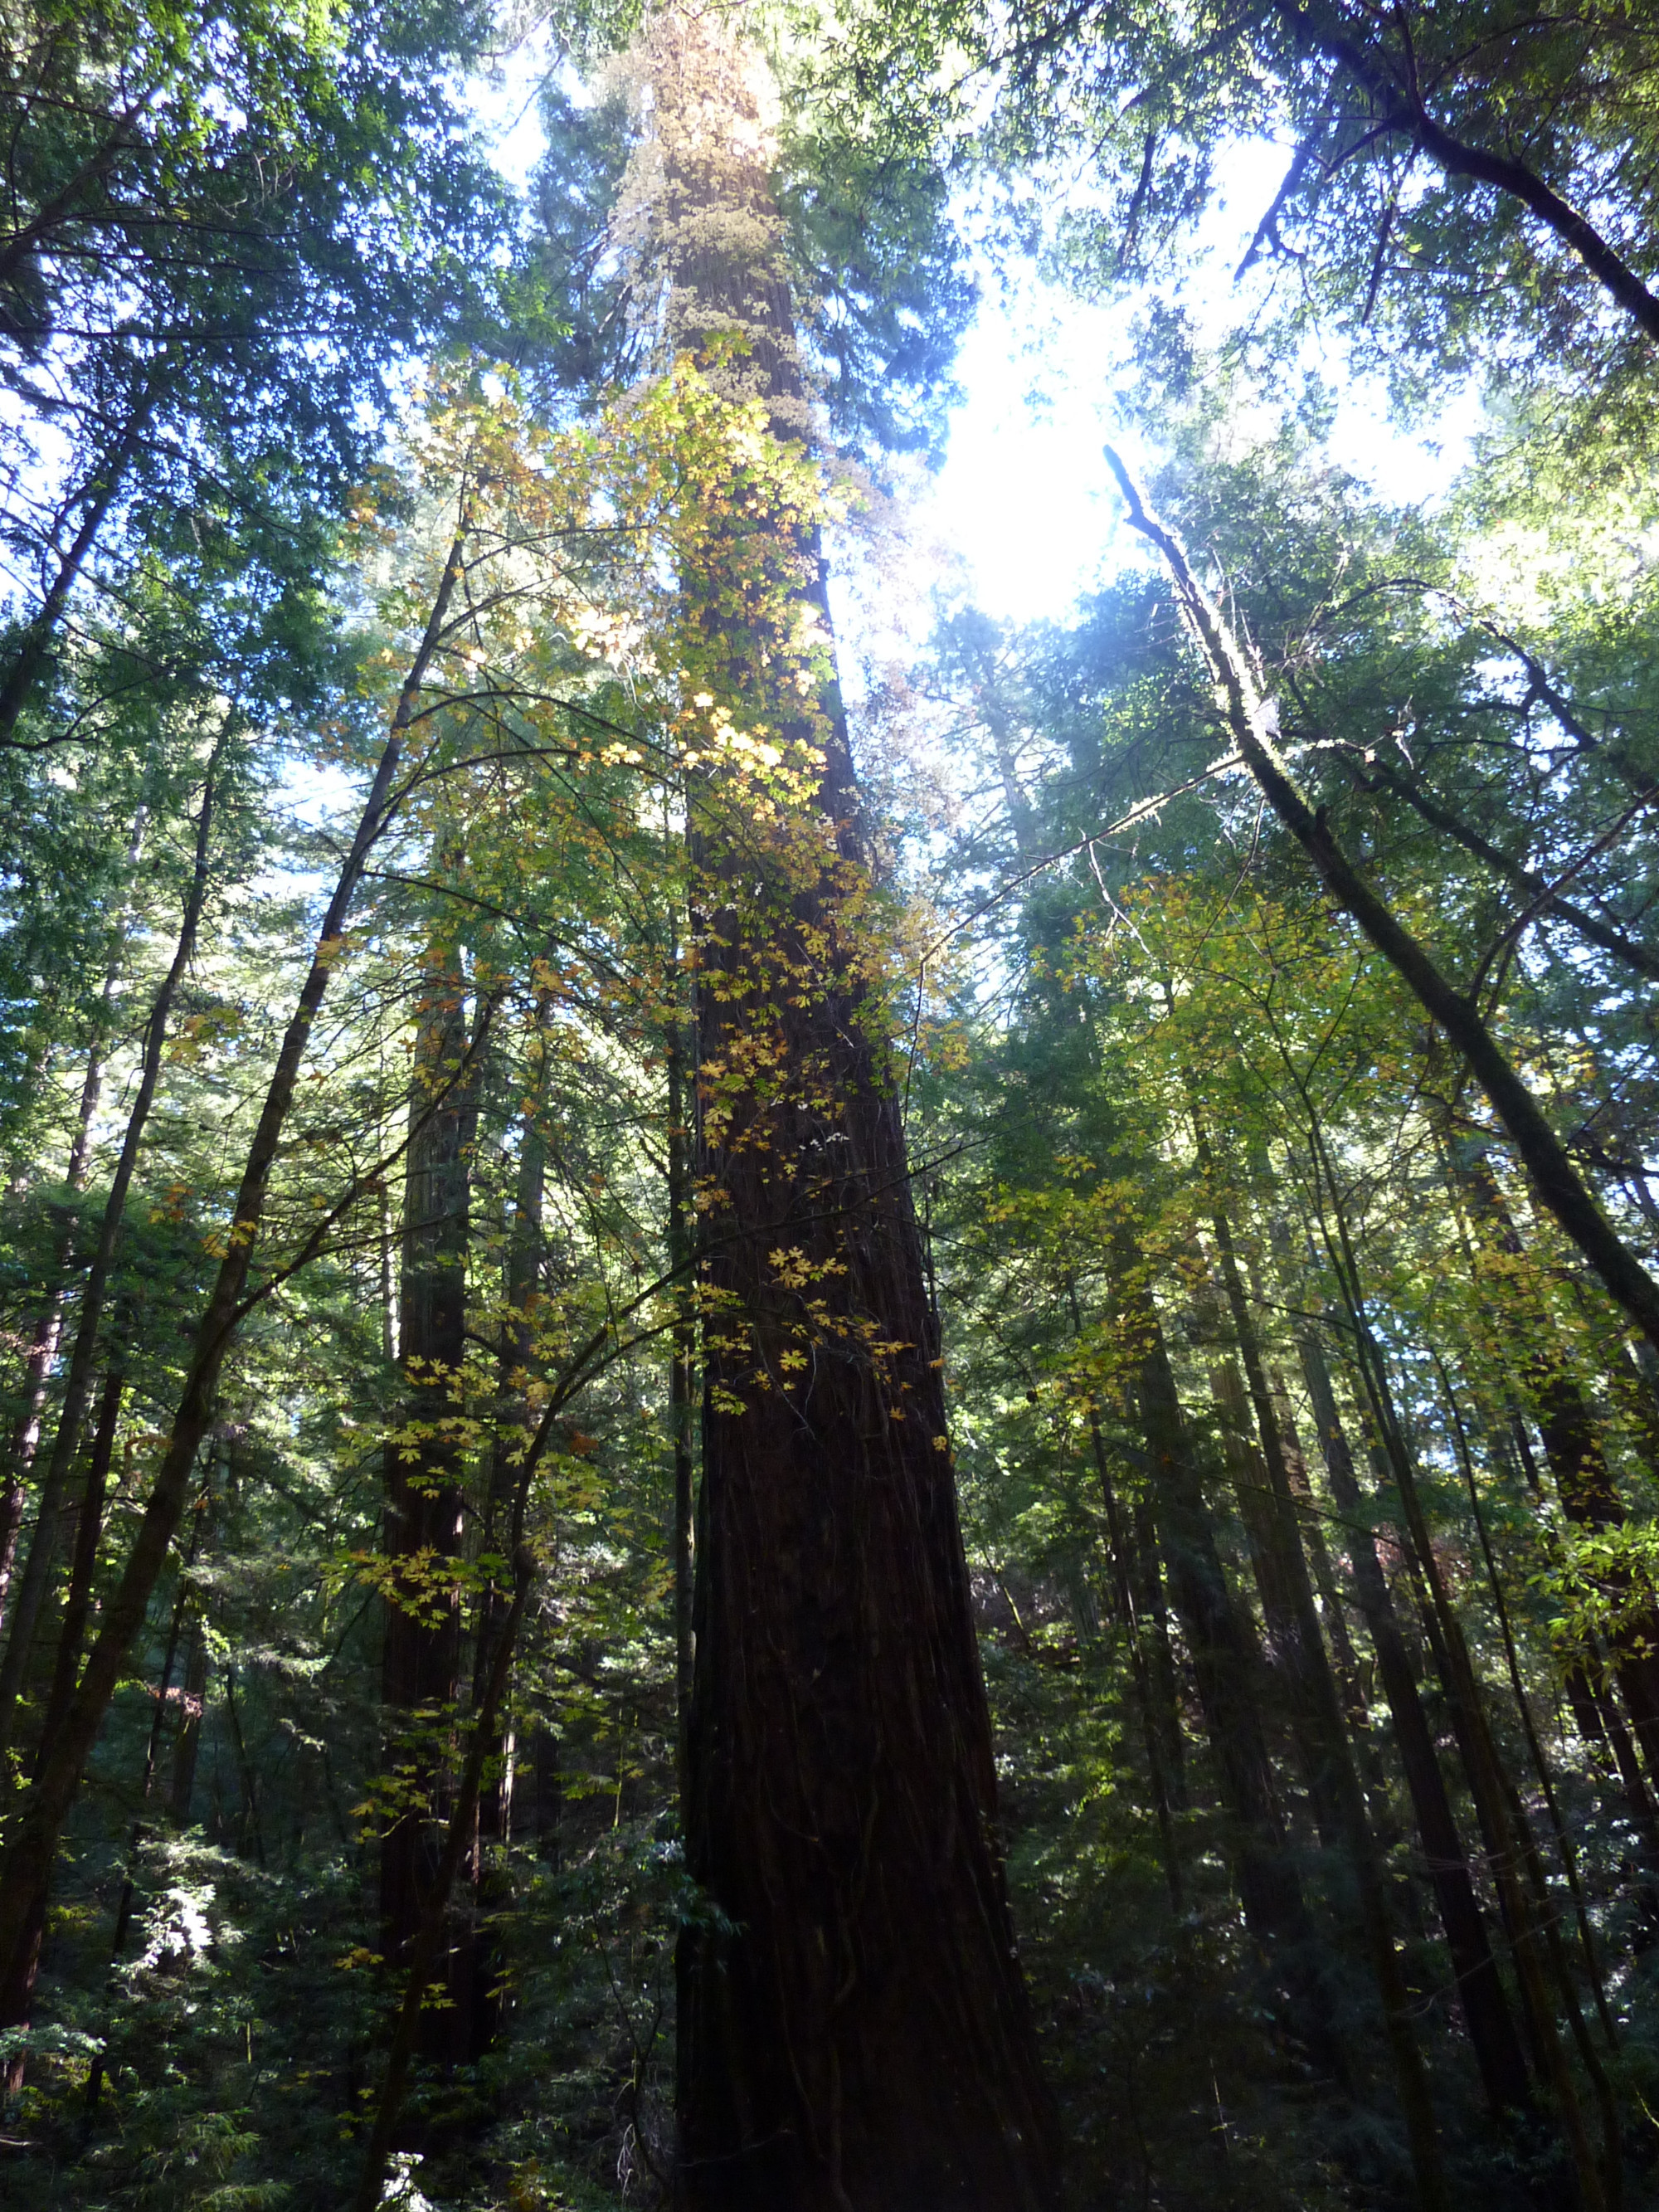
x=699 y=1318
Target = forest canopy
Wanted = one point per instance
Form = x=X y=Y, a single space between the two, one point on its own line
x=811 y=1400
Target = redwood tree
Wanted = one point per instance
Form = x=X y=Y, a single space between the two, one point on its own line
x=853 y=2025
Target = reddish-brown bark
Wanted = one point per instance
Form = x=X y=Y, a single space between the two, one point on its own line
x=421 y=1654
x=855 y=2035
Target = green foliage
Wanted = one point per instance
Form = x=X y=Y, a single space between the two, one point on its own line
x=1125 y=1018
x=885 y=295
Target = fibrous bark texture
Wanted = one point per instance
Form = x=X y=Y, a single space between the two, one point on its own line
x=853 y=2033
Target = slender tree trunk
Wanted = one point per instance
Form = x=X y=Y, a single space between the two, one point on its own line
x=1400 y=107
x=1529 y=1912
x=1610 y=2170
x=89 y=1525
x=514 y=1430
x=78 y=1382
x=430 y=1941
x=1585 y=1679
x=1140 y=1673
x=1154 y=1732
x=987 y=696
x=854 y=2035
x=548 y=1798
x=424 y=1501
x=152 y=1758
x=1530 y=1930
x=1339 y=1783
x=424 y=1957
x=1480 y=1993
x=250 y=1825
x=682 y=1381
x=19 y=1998
x=1567 y=1856
x=1572 y=1448
x=1555 y=1179
x=1147 y=1575
x=18 y=684
x=32 y=1840
x=1528 y=1919
x=1345 y=1660
x=388 y=1256
x=26 y=1433
x=187 y=1740
x=1264 y=1537
x=1228 y=1671
x=49 y=1329
x=1529 y=1938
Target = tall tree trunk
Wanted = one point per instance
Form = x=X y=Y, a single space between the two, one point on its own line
x=1572 y=1448
x=1530 y=1914
x=424 y=1957
x=37 y=1566
x=70 y=1636
x=1339 y=1781
x=49 y=1329
x=424 y=1501
x=1251 y=724
x=512 y=1443
x=1563 y=1845
x=682 y=1375
x=1345 y=1660
x=1154 y=1732
x=32 y=1841
x=187 y=1742
x=1480 y=1993
x=1228 y=1671
x=152 y=1758
x=1264 y=1539
x=1147 y=1575
x=88 y=1529
x=853 y=2034
x=1529 y=1932
x=1156 y=1728
x=44 y=1346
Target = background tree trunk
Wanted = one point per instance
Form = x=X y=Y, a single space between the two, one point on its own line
x=422 y=1658
x=1481 y=1992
